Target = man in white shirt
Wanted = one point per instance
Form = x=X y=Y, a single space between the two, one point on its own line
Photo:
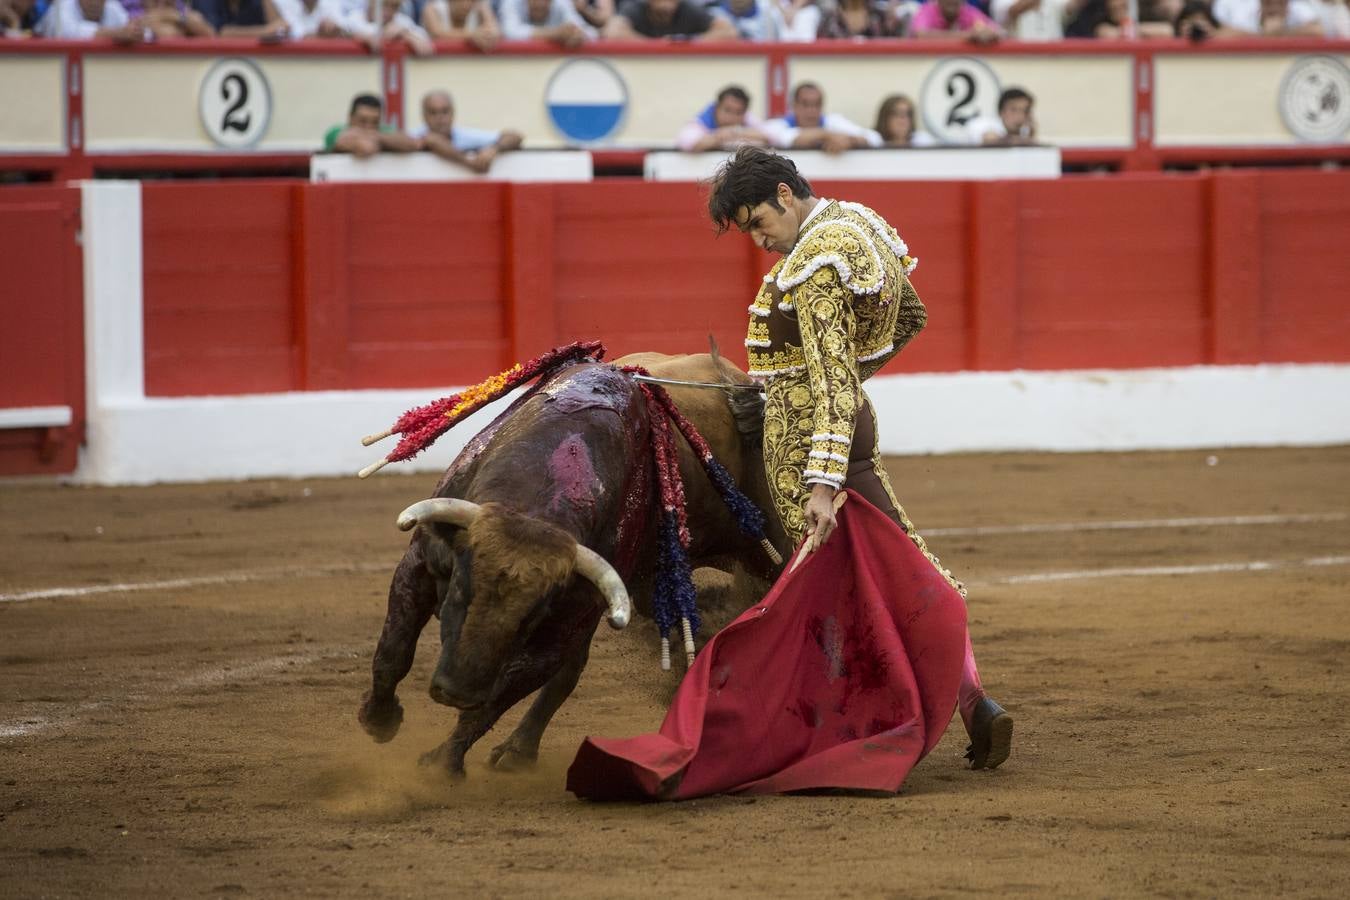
x=82 y=20
x=1033 y=20
x=393 y=25
x=545 y=20
x=1014 y=125
x=1275 y=18
x=809 y=127
x=312 y=18
x=471 y=147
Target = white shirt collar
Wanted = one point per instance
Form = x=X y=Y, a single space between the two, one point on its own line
x=821 y=203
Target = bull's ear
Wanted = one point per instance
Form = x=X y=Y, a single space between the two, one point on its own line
x=717 y=361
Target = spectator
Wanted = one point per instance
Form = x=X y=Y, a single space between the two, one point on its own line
x=363 y=136
x=1195 y=22
x=595 y=12
x=953 y=18
x=1272 y=18
x=18 y=17
x=243 y=18
x=861 y=19
x=1335 y=16
x=170 y=18
x=312 y=18
x=810 y=127
x=545 y=20
x=1014 y=125
x=1157 y=18
x=468 y=20
x=801 y=19
x=897 y=123
x=394 y=25
x=86 y=19
x=1105 y=19
x=1034 y=20
x=676 y=19
x=724 y=124
x=769 y=20
x=471 y=147
x=753 y=20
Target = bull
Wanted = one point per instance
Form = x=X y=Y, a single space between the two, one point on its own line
x=532 y=535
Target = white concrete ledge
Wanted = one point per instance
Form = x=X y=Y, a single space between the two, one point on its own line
x=35 y=417
x=288 y=435
x=1128 y=409
x=516 y=165
x=921 y=163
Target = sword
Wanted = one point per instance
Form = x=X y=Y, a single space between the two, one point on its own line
x=652 y=379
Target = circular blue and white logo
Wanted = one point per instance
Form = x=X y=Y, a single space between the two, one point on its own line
x=586 y=99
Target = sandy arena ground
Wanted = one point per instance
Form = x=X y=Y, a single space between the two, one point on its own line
x=1178 y=734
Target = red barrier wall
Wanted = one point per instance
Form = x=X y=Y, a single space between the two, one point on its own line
x=42 y=339
x=262 y=287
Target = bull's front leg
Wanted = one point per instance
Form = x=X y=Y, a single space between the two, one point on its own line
x=472 y=724
x=521 y=749
x=412 y=600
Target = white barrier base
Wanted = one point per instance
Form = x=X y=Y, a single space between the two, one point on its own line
x=290 y=435
x=915 y=164
x=517 y=165
x=313 y=434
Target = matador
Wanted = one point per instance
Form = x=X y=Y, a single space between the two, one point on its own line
x=831 y=312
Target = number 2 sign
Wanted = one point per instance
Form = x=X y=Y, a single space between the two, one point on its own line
x=956 y=91
x=235 y=103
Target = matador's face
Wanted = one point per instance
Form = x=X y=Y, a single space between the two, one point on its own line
x=773 y=224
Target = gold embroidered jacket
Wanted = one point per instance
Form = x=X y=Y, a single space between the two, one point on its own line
x=833 y=312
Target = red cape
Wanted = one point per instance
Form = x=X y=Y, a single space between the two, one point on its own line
x=845 y=676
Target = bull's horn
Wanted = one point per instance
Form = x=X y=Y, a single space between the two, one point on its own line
x=593 y=567
x=439 y=509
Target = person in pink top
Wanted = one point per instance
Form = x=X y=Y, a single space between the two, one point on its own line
x=951 y=19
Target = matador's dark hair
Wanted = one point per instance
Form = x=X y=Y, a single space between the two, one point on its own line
x=750 y=178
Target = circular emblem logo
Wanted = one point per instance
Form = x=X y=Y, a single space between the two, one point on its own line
x=956 y=92
x=235 y=103
x=586 y=99
x=1315 y=98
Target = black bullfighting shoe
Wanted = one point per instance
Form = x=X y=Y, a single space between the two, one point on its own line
x=991 y=731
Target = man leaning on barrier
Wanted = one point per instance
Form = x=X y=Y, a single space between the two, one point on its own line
x=809 y=127
x=475 y=148
x=363 y=135
x=724 y=124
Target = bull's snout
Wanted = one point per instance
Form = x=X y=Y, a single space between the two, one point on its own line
x=443 y=691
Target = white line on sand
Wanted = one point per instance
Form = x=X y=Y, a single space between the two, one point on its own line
x=1131 y=524
x=59 y=716
x=172 y=584
x=1260 y=565
x=1035 y=528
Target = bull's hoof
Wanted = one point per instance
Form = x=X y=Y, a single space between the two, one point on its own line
x=507 y=757
x=442 y=759
x=380 y=719
x=991 y=730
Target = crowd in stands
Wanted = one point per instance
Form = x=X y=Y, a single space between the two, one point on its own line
x=725 y=124
x=486 y=24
